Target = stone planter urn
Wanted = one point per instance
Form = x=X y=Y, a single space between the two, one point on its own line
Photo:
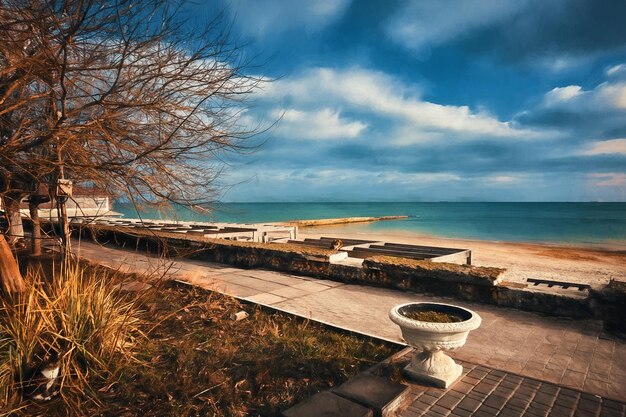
x=432 y=365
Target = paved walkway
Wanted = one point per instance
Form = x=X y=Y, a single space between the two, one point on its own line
x=571 y=353
x=488 y=392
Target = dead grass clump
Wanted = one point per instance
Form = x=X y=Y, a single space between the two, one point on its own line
x=433 y=316
x=204 y=363
x=77 y=320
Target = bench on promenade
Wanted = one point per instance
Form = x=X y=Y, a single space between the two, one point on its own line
x=563 y=284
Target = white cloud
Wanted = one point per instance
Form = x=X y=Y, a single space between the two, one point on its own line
x=609 y=179
x=421 y=24
x=265 y=17
x=560 y=94
x=318 y=124
x=381 y=95
x=606 y=96
x=614 y=146
x=614 y=95
x=503 y=179
x=616 y=70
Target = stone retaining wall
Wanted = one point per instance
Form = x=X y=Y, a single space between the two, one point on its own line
x=464 y=282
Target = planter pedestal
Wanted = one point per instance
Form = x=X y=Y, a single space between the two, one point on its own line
x=432 y=366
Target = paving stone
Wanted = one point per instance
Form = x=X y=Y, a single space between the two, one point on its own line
x=326 y=404
x=311 y=286
x=458 y=412
x=544 y=398
x=476 y=395
x=612 y=405
x=485 y=410
x=568 y=402
x=510 y=411
x=469 y=404
x=257 y=284
x=490 y=378
x=560 y=411
x=607 y=412
x=436 y=409
x=376 y=393
x=417 y=408
x=549 y=389
x=566 y=392
x=478 y=373
x=509 y=384
x=584 y=413
x=289 y=292
x=503 y=392
x=518 y=402
x=471 y=380
x=515 y=379
x=428 y=399
x=448 y=401
x=462 y=387
x=538 y=410
x=266 y=299
x=495 y=401
x=484 y=388
x=239 y=291
x=525 y=392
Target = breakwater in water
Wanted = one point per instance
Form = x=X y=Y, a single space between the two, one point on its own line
x=341 y=220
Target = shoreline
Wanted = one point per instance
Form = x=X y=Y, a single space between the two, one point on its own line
x=594 y=265
x=357 y=229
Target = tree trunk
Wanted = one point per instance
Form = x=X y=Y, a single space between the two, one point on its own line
x=36 y=234
x=10 y=275
x=14 y=216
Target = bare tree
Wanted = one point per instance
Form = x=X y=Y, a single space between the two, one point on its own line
x=125 y=95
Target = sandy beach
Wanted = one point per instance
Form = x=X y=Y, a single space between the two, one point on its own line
x=589 y=265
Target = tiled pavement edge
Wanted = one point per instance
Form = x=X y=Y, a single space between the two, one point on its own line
x=485 y=391
x=481 y=392
x=573 y=353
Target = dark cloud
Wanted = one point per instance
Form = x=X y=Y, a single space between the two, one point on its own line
x=582 y=126
x=557 y=34
x=477 y=158
x=571 y=27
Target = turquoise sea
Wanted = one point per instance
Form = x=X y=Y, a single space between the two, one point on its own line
x=571 y=223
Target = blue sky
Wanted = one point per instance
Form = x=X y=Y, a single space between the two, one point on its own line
x=424 y=100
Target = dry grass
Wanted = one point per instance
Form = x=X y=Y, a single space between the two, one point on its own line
x=203 y=363
x=79 y=317
x=489 y=273
x=433 y=316
x=193 y=360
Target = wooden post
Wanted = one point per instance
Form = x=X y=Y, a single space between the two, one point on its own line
x=64 y=226
x=36 y=233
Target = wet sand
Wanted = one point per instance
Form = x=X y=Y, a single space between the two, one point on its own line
x=594 y=265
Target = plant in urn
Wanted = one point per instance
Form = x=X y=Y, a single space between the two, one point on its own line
x=434 y=328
